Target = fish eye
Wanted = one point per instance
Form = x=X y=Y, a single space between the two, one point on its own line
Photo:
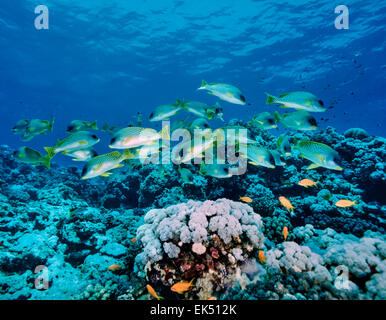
x=113 y=140
x=70 y=128
x=312 y=121
x=271 y=121
x=151 y=115
x=321 y=102
x=94 y=137
x=242 y=98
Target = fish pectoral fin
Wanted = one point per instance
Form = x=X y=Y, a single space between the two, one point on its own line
x=119 y=165
x=313 y=166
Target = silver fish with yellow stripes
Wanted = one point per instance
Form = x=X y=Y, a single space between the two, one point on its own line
x=283 y=145
x=77 y=141
x=298 y=100
x=298 y=120
x=101 y=165
x=82 y=155
x=20 y=126
x=258 y=156
x=164 y=112
x=264 y=121
x=321 y=155
x=132 y=137
x=80 y=125
x=31 y=156
x=224 y=91
x=37 y=126
x=216 y=170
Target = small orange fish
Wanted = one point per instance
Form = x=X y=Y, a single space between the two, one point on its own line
x=181 y=287
x=286 y=203
x=345 y=203
x=246 y=199
x=133 y=240
x=307 y=183
x=285 y=233
x=152 y=292
x=115 y=267
x=262 y=256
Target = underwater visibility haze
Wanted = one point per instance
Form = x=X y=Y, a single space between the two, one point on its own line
x=106 y=194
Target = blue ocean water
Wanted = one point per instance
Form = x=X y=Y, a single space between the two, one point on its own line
x=108 y=60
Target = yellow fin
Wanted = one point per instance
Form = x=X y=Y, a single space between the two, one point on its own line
x=82 y=141
x=254 y=163
x=313 y=166
x=119 y=165
x=106 y=174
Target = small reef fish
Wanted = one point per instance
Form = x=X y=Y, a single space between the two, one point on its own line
x=224 y=91
x=319 y=154
x=262 y=257
x=20 y=126
x=298 y=120
x=181 y=287
x=283 y=145
x=286 y=203
x=246 y=199
x=164 y=112
x=307 y=183
x=298 y=100
x=186 y=175
x=201 y=109
x=220 y=171
x=133 y=240
x=37 y=126
x=132 y=137
x=264 y=121
x=100 y=165
x=115 y=267
x=345 y=203
x=79 y=125
x=76 y=141
x=258 y=156
x=82 y=155
x=285 y=233
x=152 y=292
x=31 y=156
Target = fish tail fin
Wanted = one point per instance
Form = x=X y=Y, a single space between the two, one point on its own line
x=51 y=124
x=46 y=161
x=276 y=116
x=94 y=125
x=165 y=135
x=50 y=151
x=203 y=85
x=105 y=126
x=127 y=154
x=270 y=99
